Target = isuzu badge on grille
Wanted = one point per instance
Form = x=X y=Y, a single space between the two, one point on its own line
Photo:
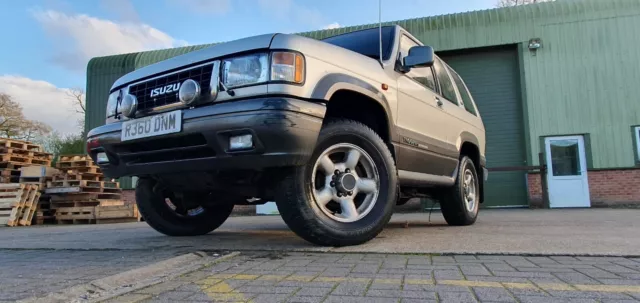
x=165 y=89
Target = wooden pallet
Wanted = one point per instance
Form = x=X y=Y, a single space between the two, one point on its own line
x=79 y=176
x=82 y=190
x=45 y=214
x=96 y=221
x=19 y=144
x=12 y=165
x=8 y=172
x=25 y=153
x=24 y=160
x=29 y=212
x=10 y=179
x=97 y=214
x=86 y=203
x=40 y=181
x=23 y=200
x=84 y=184
x=11 y=194
x=75 y=164
x=5 y=213
x=82 y=170
x=79 y=157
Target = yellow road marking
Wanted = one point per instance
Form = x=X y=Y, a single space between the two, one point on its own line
x=609 y=288
x=387 y=281
x=471 y=283
x=245 y=277
x=215 y=284
x=208 y=281
x=300 y=278
x=519 y=285
x=271 y=277
x=222 y=276
x=329 y=279
x=223 y=292
x=555 y=286
x=418 y=281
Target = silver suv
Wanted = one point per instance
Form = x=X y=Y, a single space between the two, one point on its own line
x=337 y=132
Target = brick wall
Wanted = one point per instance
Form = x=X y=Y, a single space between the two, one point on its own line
x=606 y=187
x=129 y=196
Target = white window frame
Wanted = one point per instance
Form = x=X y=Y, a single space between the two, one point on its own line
x=636 y=132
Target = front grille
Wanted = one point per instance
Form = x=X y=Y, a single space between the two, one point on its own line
x=142 y=91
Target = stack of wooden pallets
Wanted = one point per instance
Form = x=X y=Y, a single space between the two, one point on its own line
x=40 y=175
x=18 y=203
x=80 y=195
x=15 y=154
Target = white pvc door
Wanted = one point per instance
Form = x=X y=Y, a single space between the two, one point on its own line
x=567 y=172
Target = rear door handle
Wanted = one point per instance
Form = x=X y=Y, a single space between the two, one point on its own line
x=439 y=102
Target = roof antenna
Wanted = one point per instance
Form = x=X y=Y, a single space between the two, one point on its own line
x=380 y=27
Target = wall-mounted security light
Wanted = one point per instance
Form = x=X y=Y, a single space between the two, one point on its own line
x=535 y=44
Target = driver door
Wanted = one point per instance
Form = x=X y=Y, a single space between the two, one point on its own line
x=422 y=120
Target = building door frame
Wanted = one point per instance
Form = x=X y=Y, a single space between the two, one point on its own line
x=567 y=177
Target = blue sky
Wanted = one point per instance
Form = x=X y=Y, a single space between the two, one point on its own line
x=47 y=43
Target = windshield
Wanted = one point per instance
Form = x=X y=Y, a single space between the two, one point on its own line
x=365 y=42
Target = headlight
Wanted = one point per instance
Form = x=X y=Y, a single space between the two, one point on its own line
x=112 y=103
x=286 y=66
x=245 y=70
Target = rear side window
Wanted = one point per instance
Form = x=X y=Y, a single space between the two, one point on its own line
x=464 y=93
x=446 y=86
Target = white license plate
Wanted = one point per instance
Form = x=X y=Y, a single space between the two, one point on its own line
x=161 y=124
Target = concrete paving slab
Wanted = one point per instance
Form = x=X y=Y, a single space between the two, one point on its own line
x=607 y=232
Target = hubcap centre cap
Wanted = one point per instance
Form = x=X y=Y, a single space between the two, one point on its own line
x=346 y=182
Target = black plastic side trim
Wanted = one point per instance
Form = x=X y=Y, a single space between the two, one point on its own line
x=331 y=83
x=427 y=143
x=423 y=161
x=408 y=178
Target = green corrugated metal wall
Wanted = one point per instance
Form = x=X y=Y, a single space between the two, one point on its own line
x=584 y=79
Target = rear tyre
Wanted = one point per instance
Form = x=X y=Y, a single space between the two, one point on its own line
x=346 y=193
x=172 y=217
x=460 y=203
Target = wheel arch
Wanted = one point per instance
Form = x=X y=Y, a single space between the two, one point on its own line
x=469 y=148
x=352 y=98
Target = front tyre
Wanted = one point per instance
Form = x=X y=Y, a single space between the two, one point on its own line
x=346 y=193
x=460 y=203
x=173 y=217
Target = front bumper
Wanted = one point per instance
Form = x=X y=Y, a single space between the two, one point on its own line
x=284 y=132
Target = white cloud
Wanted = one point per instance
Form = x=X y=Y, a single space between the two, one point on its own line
x=42 y=101
x=79 y=38
x=333 y=25
x=205 y=7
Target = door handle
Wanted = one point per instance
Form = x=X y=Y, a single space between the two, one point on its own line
x=439 y=102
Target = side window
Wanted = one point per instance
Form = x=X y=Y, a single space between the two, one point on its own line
x=424 y=75
x=448 y=91
x=464 y=93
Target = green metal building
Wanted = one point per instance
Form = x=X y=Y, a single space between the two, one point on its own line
x=563 y=68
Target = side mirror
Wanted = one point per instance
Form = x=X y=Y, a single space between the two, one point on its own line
x=419 y=56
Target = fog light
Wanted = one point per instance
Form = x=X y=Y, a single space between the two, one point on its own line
x=189 y=92
x=129 y=105
x=101 y=158
x=241 y=142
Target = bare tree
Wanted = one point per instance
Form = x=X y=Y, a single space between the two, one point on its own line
x=13 y=123
x=507 y=3
x=78 y=97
